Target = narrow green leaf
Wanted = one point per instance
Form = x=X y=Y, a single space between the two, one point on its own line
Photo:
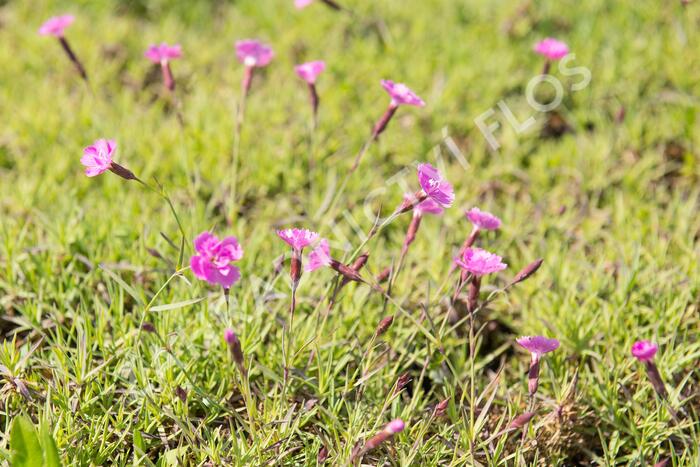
x=176 y=305
x=127 y=288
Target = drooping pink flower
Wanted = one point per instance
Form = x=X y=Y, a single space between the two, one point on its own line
x=552 y=49
x=435 y=186
x=212 y=263
x=55 y=26
x=298 y=239
x=483 y=220
x=309 y=71
x=229 y=336
x=319 y=257
x=644 y=351
x=427 y=206
x=480 y=262
x=299 y=4
x=163 y=52
x=97 y=158
x=253 y=53
x=538 y=345
x=401 y=94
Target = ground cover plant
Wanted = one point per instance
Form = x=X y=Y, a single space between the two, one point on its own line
x=282 y=232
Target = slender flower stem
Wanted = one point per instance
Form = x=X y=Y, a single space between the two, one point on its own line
x=378 y=128
x=240 y=116
x=73 y=58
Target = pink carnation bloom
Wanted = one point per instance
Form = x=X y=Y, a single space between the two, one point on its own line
x=97 y=158
x=319 y=257
x=253 y=53
x=401 y=94
x=56 y=25
x=212 y=263
x=435 y=186
x=298 y=239
x=163 y=52
x=427 y=206
x=480 y=262
x=644 y=351
x=483 y=220
x=552 y=48
x=538 y=345
x=299 y=4
x=310 y=71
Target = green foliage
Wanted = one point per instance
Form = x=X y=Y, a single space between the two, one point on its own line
x=32 y=448
x=123 y=357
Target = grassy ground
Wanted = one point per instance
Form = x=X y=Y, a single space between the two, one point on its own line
x=611 y=205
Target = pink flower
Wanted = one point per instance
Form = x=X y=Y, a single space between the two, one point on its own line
x=163 y=52
x=395 y=426
x=552 y=48
x=644 y=351
x=298 y=239
x=229 y=336
x=538 y=345
x=427 y=206
x=253 y=53
x=483 y=220
x=299 y=4
x=319 y=257
x=480 y=262
x=310 y=71
x=56 y=25
x=401 y=94
x=98 y=157
x=212 y=263
x=435 y=186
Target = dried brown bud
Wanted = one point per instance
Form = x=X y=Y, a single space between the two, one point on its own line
x=521 y=420
x=360 y=262
x=234 y=344
x=441 y=408
x=181 y=393
x=655 y=379
x=346 y=271
x=384 y=324
x=322 y=454
x=527 y=271
x=22 y=388
x=123 y=172
x=384 y=275
x=148 y=327
x=402 y=382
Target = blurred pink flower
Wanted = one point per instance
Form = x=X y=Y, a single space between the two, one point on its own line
x=427 y=206
x=299 y=4
x=229 y=336
x=298 y=239
x=644 y=351
x=552 y=49
x=97 y=158
x=480 y=262
x=253 y=53
x=483 y=220
x=163 y=52
x=435 y=186
x=212 y=263
x=319 y=257
x=309 y=71
x=56 y=25
x=395 y=426
x=401 y=94
x=538 y=345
